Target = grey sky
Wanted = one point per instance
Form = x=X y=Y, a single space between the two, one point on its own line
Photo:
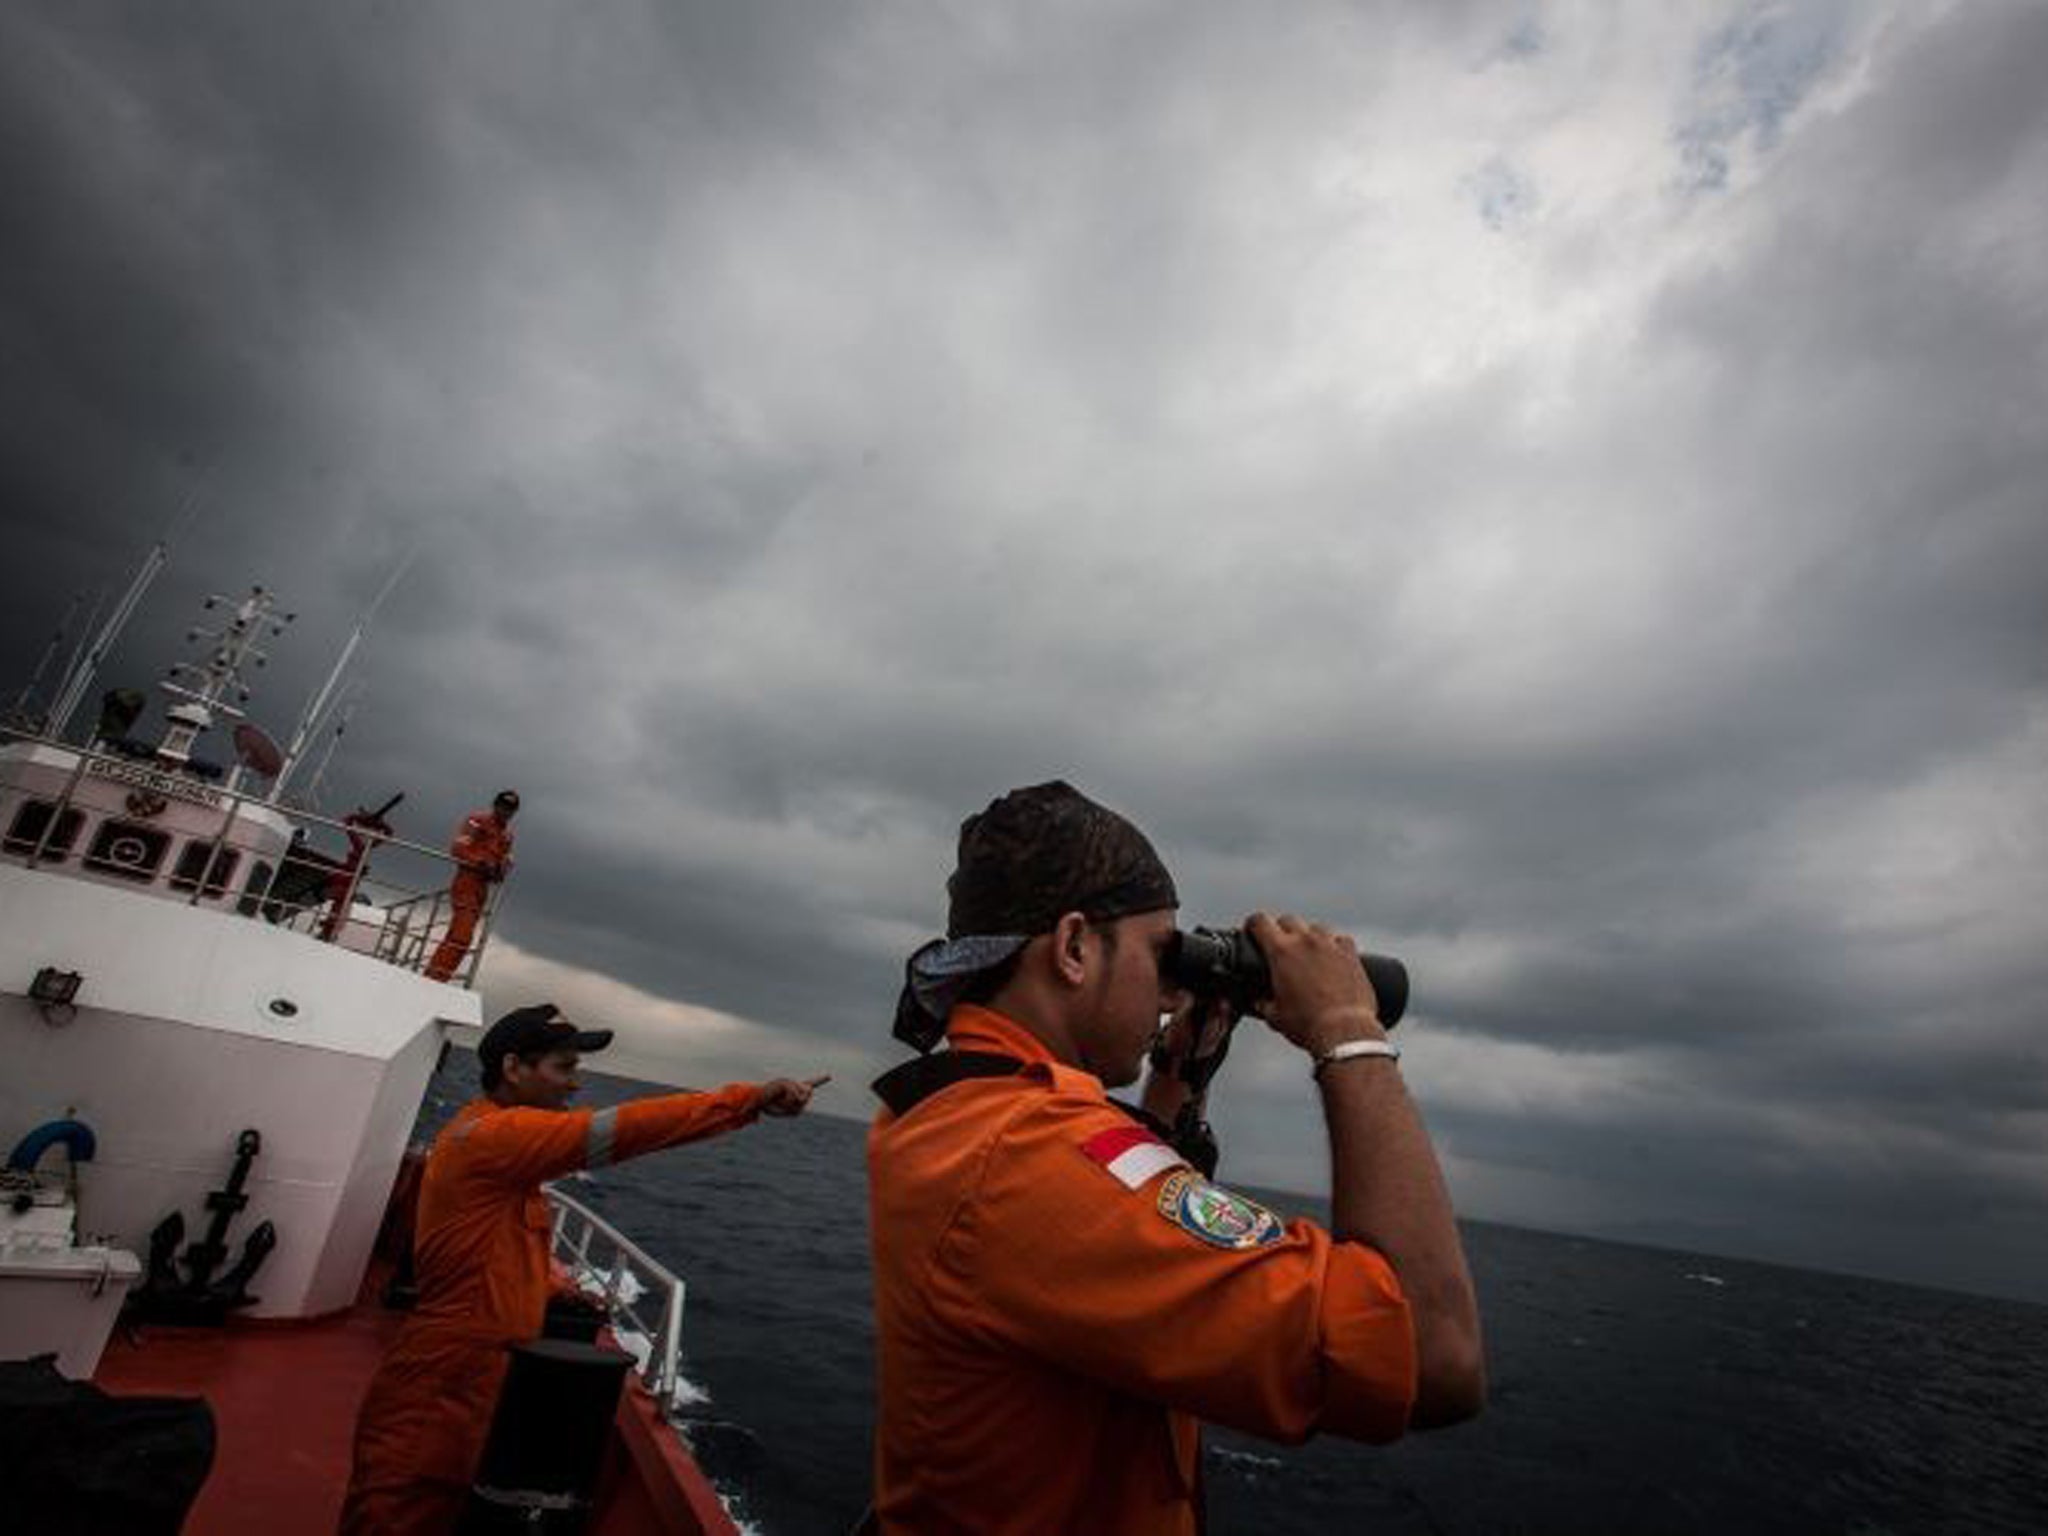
x=1563 y=491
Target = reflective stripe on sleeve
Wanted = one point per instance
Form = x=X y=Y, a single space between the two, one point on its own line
x=604 y=1128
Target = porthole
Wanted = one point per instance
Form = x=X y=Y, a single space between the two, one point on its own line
x=127 y=849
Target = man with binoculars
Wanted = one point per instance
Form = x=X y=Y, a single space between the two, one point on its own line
x=1060 y=1297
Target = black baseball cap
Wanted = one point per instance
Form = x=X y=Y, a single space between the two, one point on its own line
x=532 y=1030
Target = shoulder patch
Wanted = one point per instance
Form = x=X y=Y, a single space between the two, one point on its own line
x=1216 y=1215
x=1131 y=1155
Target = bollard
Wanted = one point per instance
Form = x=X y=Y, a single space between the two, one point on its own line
x=547 y=1441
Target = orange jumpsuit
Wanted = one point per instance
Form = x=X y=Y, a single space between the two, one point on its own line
x=484 y=1281
x=483 y=846
x=1059 y=1297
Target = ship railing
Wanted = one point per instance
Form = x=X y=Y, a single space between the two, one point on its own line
x=643 y=1298
x=297 y=888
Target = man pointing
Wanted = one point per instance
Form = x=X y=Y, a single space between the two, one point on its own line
x=481 y=1250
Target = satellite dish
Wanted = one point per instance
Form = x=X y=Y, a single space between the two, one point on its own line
x=256 y=751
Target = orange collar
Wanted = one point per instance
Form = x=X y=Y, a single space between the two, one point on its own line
x=971 y=1027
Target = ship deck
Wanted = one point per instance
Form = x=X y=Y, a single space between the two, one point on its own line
x=284 y=1398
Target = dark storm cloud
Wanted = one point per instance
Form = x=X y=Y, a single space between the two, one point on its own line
x=1562 y=499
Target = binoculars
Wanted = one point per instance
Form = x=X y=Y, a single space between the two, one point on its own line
x=1227 y=963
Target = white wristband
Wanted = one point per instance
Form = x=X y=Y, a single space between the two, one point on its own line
x=1351 y=1050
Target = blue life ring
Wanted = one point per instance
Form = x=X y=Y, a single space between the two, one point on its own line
x=75 y=1134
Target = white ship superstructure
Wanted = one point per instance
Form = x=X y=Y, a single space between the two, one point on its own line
x=183 y=959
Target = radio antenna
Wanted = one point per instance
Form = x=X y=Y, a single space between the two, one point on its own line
x=318 y=707
x=20 y=712
x=79 y=675
x=310 y=796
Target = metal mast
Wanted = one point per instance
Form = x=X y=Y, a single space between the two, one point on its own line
x=205 y=693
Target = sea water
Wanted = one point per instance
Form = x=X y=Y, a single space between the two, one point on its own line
x=1634 y=1390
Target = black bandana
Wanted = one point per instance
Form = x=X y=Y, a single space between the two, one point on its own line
x=1039 y=852
x=1032 y=856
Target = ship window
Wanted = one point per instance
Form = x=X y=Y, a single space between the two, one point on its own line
x=129 y=849
x=193 y=859
x=259 y=879
x=33 y=819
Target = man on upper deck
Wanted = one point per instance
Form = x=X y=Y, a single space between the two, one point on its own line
x=483 y=857
x=1059 y=1297
x=481 y=1251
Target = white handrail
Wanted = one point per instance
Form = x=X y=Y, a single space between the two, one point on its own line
x=401 y=938
x=655 y=1289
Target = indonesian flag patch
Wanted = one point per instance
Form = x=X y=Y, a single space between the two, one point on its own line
x=1131 y=1154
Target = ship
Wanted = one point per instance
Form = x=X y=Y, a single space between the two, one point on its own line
x=218 y=1024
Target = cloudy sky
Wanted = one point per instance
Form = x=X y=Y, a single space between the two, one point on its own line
x=1562 y=491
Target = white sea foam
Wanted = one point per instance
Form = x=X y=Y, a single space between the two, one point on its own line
x=638 y=1345
x=687 y=1393
x=621 y=1282
x=731 y=1498
x=1245 y=1458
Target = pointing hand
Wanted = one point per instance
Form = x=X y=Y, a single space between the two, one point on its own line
x=785 y=1096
